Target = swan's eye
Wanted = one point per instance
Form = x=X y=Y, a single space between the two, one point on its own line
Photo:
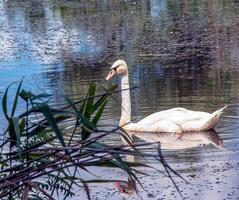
x=115 y=70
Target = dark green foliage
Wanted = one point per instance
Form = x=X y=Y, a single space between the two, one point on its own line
x=39 y=162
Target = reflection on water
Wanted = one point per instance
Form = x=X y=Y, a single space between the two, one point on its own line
x=180 y=53
x=126 y=189
x=182 y=141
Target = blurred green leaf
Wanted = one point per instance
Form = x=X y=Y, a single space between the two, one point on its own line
x=39 y=127
x=4 y=101
x=99 y=113
x=98 y=145
x=40 y=96
x=52 y=122
x=87 y=109
x=84 y=120
x=25 y=95
x=86 y=187
x=11 y=131
x=104 y=97
x=16 y=98
x=22 y=124
x=89 y=102
x=17 y=131
x=87 y=106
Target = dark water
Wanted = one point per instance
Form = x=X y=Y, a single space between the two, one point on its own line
x=180 y=53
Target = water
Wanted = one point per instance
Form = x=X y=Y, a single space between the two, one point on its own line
x=179 y=53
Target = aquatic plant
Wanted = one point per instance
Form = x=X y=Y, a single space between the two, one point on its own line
x=46 y=147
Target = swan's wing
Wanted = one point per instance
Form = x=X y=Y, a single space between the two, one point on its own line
x=157 y=126
x=175 y=115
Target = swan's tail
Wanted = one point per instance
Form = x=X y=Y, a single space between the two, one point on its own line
x=214 y=118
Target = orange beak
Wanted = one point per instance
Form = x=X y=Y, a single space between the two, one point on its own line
x=110 y=75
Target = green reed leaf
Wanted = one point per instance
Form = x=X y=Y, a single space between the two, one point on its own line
x=99 y=113
x=104 y=97
x=16 y=98
x=46 y=111
x=17 y=131
x=25 y=95
x=89 y=102
x=87 y=109
x=84 y=120
x=4 y=102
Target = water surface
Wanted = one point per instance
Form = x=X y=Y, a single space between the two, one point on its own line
x=179 y=53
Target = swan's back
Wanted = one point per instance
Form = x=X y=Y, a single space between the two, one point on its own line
x=176 y=115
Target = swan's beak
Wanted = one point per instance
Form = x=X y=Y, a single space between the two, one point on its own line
x=110 y=75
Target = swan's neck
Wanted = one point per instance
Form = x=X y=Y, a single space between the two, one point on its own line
x=126 y=104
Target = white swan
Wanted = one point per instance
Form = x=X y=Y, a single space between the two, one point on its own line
x=175 y=120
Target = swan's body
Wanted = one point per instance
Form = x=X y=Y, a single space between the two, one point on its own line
x=175 y=120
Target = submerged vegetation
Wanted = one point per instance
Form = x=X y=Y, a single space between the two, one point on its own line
x=43 y=156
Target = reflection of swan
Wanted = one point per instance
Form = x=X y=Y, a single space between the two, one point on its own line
x=175 y=120
x=126 y=189
x=168 y=141
x=187 y=140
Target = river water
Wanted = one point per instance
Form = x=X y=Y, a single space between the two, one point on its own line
x=179 y=53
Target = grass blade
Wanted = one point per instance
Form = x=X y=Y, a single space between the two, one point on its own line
x=4 y=102
x=52 y=122
x=88 y=109
x=86 y=187
x=17 y=130
x=84 y=120
x=89 y=102
x=99 y=113
x=104 y=97
x=16 y=98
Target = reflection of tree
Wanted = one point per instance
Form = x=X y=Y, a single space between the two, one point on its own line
x=182 y=32
x=175 y=49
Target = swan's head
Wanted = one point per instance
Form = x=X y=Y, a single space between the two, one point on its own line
x=119 y=67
